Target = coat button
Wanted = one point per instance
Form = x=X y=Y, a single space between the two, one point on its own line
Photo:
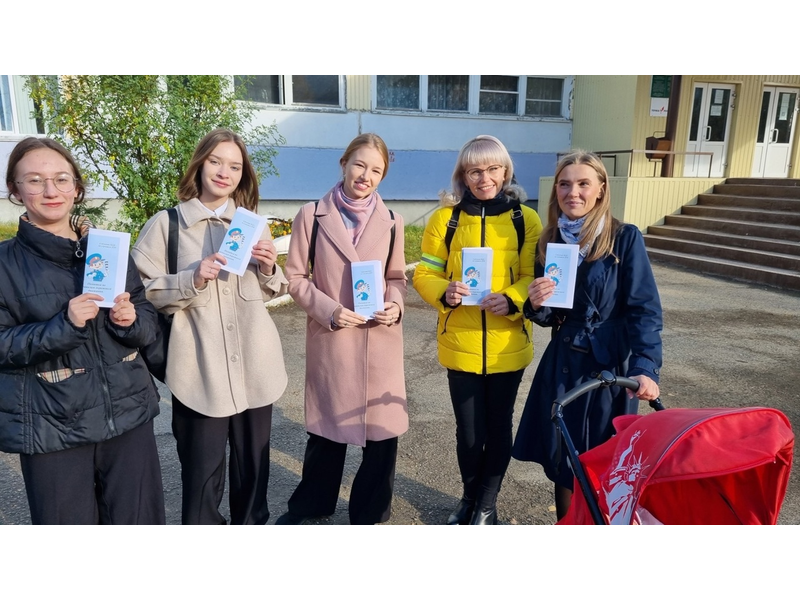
x=230 y=326
x=566 y=339
x=235 y=358
x=565 y=370
x=226 y=291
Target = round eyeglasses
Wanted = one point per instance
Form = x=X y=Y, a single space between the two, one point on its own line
x=34 y=184
x=474 y=175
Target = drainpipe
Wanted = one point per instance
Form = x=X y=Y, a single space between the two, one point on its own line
x=672 y=125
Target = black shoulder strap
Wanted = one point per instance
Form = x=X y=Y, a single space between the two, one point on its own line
x=312 y=244
x=451 y=227
x=172 y=241
x=519 y=224
x=391 y=247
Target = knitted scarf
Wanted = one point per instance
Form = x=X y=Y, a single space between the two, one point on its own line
x=355 y=213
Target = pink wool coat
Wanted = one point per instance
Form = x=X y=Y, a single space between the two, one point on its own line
x=355 y=386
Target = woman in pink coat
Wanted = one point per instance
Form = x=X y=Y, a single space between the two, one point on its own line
x=355 y=389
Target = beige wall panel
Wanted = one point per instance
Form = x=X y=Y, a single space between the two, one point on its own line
x=357 y=92
x=649 y=200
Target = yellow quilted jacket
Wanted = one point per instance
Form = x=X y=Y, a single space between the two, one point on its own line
x=470 y=339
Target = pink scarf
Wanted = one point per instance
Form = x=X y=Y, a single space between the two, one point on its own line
x=355 y=213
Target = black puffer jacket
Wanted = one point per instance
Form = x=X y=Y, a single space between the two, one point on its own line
x=63 y=386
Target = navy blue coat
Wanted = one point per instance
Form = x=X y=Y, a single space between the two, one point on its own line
x=615 y=325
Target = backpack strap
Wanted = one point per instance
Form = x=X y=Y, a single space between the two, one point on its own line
x=452 y=224
x=391 y=246
x=518 y=220
x=172 y=241
x=312 y=244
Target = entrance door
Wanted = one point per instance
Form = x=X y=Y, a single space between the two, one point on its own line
x=775 y=132
x=709 y=129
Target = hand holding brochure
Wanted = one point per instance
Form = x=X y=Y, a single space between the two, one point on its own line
x=245 y=231
x=106 y=264
x=561 y=265
x=476 y=272
x=367 y=287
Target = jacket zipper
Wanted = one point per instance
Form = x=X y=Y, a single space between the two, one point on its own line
x=109 y=409
x=483 y=312
x=447 y=318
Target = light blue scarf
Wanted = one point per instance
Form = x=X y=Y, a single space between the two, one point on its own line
x=571 y=232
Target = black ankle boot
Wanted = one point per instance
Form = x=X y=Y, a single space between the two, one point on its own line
x=484 y=516
x=463 y=512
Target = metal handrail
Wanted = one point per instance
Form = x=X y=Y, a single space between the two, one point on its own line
x=613 y=154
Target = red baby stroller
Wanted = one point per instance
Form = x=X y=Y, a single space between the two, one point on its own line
x=717 y=466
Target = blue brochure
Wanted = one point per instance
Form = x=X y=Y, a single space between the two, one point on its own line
x=106 y=264
x=476 y=272
x=244 y=232
x=367 y=287
x=561 y=265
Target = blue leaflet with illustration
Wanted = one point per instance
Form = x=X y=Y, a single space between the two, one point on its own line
x=476 y=272
x=367 y=287
x=106 y=264
x=561 y=266
x=244 y=232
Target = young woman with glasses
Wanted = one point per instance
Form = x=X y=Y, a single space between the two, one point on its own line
x=485 y=347
x=76 y=400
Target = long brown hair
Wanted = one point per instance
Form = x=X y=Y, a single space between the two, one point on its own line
x=599 y=216
x=29 y=144
x=245 y=194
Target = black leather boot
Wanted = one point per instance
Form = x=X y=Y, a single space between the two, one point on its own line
x=484 y=516
x=463 y=512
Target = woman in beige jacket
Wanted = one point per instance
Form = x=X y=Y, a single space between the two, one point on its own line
x=225 y=362
x=355 y=388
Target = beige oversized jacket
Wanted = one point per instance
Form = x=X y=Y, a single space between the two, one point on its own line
x=225 y=355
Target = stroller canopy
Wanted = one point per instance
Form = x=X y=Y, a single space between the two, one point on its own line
x=690 y=466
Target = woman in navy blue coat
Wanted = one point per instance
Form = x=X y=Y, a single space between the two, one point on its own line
x=614 y=324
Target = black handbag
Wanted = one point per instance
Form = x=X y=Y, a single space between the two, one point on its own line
x=155 y=353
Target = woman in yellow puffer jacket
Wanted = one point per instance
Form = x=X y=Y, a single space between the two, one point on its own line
x=486 y=347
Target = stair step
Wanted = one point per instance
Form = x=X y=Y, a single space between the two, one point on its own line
x=782 y=182
x=767 y=230
x=743 y=255
x=770 y=191
x=749 y=215
x=723 y=239
x=780 y=278
x=757 y=202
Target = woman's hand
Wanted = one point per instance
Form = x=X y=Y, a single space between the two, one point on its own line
x=208 y=269
x=540 y=290
x=123 y=313
x=496 y=304
x=455 y=291
x=648 y=389
x=83 y=308
x=389 y=314
x=266 y=254
x=344 y=317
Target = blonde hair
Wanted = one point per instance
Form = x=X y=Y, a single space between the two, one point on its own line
x=599 y=218
x=483 y=149
x=367 y=140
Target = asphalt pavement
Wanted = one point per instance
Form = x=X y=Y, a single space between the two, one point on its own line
x=725 y=344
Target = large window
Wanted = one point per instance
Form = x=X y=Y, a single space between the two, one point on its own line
x=511 y=95
x=16 y=108
x=303 y=90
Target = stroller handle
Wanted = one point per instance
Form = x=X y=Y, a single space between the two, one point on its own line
x=604 y=379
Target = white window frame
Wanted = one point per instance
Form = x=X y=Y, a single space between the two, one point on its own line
x=12 y=101
x=286 y=90
x=474 y=99
x=22 y=124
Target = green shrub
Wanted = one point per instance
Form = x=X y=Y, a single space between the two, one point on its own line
x=7 y=230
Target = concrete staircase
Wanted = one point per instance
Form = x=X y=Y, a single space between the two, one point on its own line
x=748 y=229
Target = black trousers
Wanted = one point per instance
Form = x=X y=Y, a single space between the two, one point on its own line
x=484 y=407
x=201 y=449
x=323 y=466
x=115 y=482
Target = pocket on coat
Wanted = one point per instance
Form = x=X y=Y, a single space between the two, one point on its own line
x=65 y=396
x=249 y=288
